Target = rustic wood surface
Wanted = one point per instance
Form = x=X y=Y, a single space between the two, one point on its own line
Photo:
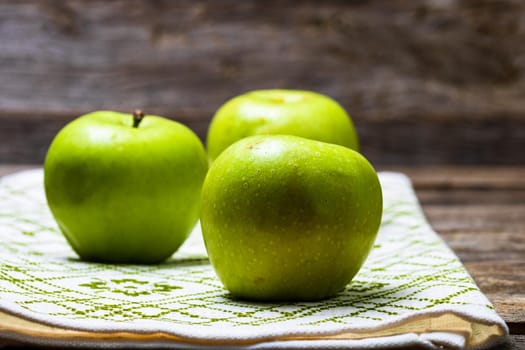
x=480 y=213
x=427 y=82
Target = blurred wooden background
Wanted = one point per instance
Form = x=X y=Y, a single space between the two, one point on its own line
x=426 y=82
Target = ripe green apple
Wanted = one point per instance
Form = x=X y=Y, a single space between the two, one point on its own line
x=288 y=218
x=125 y=188
x=286 y=112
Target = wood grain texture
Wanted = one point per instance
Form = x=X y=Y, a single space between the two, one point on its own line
x=484 y=178
x=517 y=342
x=430 y=82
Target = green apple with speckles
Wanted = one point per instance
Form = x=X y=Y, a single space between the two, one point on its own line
x=125 y=188
x=285 y=112
x=286 y=218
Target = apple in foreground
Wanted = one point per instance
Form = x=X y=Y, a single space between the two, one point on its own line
x=286 y=218
x=125 y=188
x=287 y=112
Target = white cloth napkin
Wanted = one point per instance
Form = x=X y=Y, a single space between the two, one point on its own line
x=412 y=291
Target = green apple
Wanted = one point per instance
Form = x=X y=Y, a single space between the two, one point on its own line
x=288 y=218
x=125 y=188
x=287 y=112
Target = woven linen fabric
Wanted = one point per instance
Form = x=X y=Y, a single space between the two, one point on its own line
x=412 y=291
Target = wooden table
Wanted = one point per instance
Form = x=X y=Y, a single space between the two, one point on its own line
x=480 y=212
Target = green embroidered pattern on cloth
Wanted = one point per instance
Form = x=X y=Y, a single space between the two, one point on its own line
x=409 y=271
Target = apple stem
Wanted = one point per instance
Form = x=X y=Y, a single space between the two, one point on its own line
x=138 y=115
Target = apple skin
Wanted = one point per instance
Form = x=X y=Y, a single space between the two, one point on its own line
x=289 y=219
x=123 y=194
x=283 y=112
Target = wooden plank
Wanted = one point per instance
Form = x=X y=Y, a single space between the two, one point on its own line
x=427 y=83
x=487 y=246
x=422 y=142
x=25 y=137
x=477 y=218
x=516 y=342
x=77 y=55
x=476 y=177
x=459 y=196
x=504 y=284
